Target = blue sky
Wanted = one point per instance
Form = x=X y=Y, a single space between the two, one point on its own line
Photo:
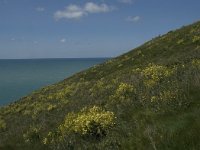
x=87 y=28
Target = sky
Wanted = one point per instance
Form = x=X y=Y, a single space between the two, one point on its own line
x=87 y=28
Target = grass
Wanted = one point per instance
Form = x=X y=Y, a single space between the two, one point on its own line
x=151 y=91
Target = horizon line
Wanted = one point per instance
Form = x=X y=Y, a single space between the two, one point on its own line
x=55 y=58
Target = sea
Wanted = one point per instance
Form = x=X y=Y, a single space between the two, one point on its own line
x=20 y=77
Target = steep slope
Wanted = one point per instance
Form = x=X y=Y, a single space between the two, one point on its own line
x=147 y=98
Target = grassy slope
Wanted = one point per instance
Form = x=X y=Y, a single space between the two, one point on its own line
x=167 y=123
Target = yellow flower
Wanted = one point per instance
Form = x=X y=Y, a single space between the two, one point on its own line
x=196 y=62
x=155 y=73
x=153 y=98
x=196 y=39
x=82 y=121
x=51 y=107
x=45 y=140
x=124 y=93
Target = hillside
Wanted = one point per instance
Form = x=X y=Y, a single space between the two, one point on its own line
x=148 y=98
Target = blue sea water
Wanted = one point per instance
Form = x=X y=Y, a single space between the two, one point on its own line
x=19 y=77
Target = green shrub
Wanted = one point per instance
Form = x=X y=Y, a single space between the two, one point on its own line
x=32 y=135
x=2 y=124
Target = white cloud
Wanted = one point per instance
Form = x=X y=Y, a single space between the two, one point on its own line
x=133 y=18
x=63 y=40
x=70 y=12
x=126 y=1
x=76 y=12
x=94 y=8
x=40 y=9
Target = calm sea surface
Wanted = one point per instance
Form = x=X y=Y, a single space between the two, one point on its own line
x=20 y=77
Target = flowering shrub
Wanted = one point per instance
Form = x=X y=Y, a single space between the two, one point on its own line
x=181 y=41
x=196 y=39
x=61 y=94
x=153 y=74
x=165 y=95
x=169 y=95
x=196 y=63
x=93 y=121
x=124 y=93
x=52 y=138
x=51 y=107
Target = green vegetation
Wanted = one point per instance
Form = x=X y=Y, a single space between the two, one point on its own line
x=2 y=124
x=91 y=123
x=148 y=98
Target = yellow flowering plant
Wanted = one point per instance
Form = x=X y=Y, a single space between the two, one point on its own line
x=84 y=121
x=123 y=93
x=153 y=74
x=94 y=122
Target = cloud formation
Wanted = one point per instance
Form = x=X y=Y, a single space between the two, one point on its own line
x=76 y=12
x=133 y=18
x=94 y=8
x=70 y=12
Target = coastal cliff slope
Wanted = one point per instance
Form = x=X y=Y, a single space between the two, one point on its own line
x=148 y=98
